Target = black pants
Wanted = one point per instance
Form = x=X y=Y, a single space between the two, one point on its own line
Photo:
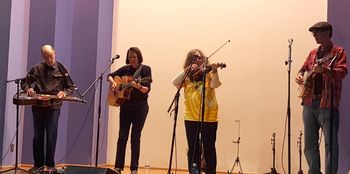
x=45 y=123
x=133 y=116
x=208 y=140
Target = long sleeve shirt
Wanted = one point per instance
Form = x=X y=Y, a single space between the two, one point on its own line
x=339 y=71
x=193 y=97
x=46 y=79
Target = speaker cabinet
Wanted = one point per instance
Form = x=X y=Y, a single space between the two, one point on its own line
x=88 y=170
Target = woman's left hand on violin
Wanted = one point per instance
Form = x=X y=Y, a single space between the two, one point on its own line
x=214 y=66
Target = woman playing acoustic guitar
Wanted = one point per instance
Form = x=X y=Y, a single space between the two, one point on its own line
x=128 y=84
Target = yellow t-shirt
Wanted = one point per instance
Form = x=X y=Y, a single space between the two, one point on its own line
x=193 y=101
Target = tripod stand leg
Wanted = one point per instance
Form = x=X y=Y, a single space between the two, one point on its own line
x=273 y=171
x=15 y=169
x=240 y=168
x=233 y=167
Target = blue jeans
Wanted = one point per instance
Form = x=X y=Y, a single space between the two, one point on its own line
x=45 y=123
x=315 y=118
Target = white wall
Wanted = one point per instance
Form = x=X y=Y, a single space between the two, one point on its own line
x=254 y=88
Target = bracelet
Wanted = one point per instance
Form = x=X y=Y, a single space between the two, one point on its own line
x=140 y=87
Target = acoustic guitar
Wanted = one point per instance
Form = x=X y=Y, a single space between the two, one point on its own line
x=42 y=99
x=306 y=89
x=124 y=88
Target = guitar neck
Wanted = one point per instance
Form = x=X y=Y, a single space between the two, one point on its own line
x=41 y=99
x=128 y=85
x=69 y=98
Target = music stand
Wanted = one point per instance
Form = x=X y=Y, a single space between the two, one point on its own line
x=237 y=161
x=15 y=168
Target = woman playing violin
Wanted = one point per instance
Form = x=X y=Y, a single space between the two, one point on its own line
x=193 y=86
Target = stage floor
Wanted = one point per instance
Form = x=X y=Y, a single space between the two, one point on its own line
x=126 y=170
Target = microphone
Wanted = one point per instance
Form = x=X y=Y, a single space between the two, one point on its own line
x=115 y=57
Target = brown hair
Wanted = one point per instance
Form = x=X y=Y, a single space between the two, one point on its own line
x=138 y=53
x=191 y=55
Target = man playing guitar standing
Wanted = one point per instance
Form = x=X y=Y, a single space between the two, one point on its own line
x=318 y=111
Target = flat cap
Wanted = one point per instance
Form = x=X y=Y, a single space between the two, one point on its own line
x=321 y=26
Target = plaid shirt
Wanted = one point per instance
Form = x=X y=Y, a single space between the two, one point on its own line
x=339 y=71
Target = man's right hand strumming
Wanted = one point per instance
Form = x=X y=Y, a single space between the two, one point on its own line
x=299 y=79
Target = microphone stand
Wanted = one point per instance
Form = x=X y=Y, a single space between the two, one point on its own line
x=331 y=65
x=99 y=105
x=15 y=168
x=289 y=63
x=203 y=101
x=176 y=102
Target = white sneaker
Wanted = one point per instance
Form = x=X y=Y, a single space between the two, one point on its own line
x=117 y=170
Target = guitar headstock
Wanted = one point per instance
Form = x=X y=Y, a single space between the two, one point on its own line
x=325 y=59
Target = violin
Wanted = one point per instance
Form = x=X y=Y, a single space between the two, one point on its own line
x=197 y=74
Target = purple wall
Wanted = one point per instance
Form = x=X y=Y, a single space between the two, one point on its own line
x=75 y=29
x=338 y=11
x=5 y=18
x=63 y=44
x=41 y=31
